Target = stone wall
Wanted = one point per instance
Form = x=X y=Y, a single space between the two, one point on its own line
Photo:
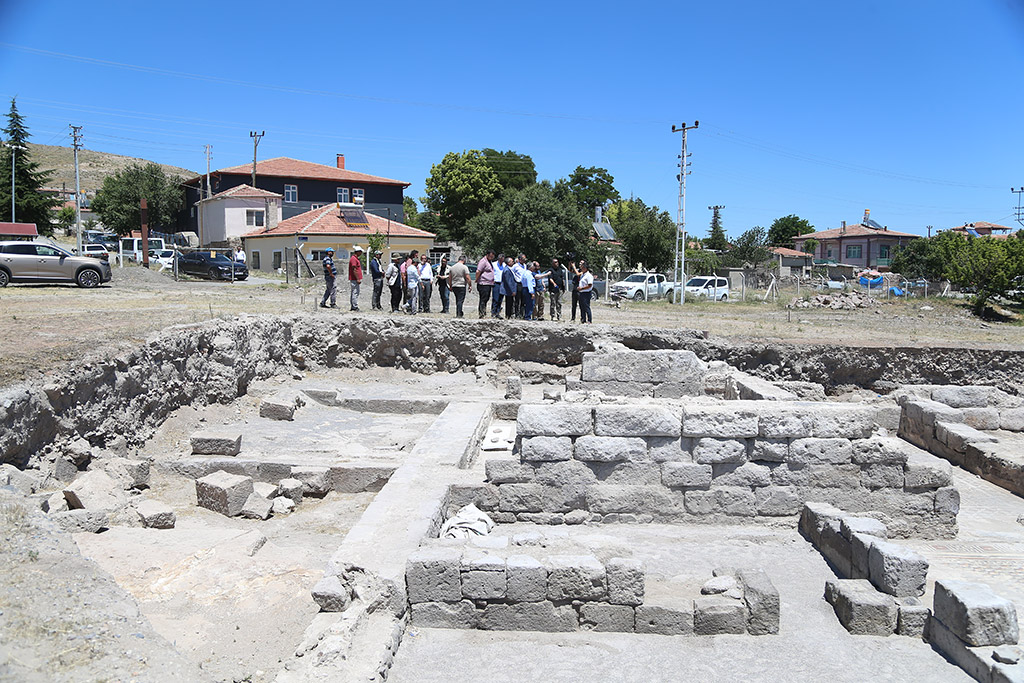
x=721 y=462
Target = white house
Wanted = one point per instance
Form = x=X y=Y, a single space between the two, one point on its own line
x=228 y=215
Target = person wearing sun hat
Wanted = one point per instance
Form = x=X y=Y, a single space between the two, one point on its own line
x=355 y=275
x=330 y=272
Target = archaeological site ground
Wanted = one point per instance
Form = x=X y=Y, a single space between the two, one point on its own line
x=725 y=494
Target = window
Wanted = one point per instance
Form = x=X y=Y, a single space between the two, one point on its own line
x=358 y=196
x=254 y=217
x=343 y=195
x=277 y=260
x=319 y=205
x=829 y=255
x=24 y=249
x=883 y=251
x=853 y=250
x=291 y=193
x=255 y=260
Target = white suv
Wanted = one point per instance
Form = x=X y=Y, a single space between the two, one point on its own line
x=711 y=287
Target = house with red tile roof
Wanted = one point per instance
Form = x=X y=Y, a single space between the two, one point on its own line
x=341 y=227
x=792 y=263
x=303 y=186
x=227 y=215
x=983 y=229
x=866 y=244
x=18 y=231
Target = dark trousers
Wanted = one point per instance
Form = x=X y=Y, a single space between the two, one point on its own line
x=575 y=302
x=330 y=292
x=585 y=314
x=425 y=289
x=378 y=289
x=460 y=298
x=442 y=291
x=527 y=306
x=496 y=306
x=556 y=305
x=510 y=305
x=520 y=302
x=485 y=297
x=396 y=295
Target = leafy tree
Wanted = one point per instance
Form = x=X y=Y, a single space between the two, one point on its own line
x=992 y=267
x=410 y=212
x=923 y=258
x=459 y=188
x=589 y=187
x=750 y=248
x=810 y=245
x=31 y=204
x=117 y=202
x=701 y=262
x=375 y=242
x=535 y=222
x=782 y=230
x=513 y=170
x=716 y=235
x=65 y=218
x=647 y=234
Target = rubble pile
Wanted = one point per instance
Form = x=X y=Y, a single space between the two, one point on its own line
x=838 y=301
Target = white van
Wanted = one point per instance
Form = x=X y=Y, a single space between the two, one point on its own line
x=131 y=247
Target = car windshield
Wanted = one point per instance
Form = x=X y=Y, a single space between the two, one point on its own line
x=636 y=278
x=697 y=282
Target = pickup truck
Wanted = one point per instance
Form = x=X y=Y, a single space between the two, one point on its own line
x=642 y=287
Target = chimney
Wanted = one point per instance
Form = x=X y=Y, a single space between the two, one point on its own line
x=842 y=228
x=867 y=216
x=341 y=161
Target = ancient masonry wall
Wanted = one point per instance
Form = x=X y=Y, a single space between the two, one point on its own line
x=722 y=462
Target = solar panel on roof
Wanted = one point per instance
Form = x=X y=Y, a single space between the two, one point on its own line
x=354 y=218
x=604 y=231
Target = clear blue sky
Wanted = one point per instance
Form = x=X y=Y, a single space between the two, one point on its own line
x=909 y=107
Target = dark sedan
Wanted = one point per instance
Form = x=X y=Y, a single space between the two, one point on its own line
x=210 y=265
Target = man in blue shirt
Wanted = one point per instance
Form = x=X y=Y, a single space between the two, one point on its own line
x=497 y=292
x=529 y=283
x=377 y=274
x=330 y=273
x=518 y=268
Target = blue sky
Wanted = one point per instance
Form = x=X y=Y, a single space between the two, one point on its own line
x=907 y=107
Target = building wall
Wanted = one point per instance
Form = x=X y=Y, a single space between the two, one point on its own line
x=871 y=248
x=223 y=220
x=266 y=246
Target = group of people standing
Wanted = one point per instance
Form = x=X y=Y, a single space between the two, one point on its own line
x=514 y=284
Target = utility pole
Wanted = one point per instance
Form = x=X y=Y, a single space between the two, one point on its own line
x=929 y=229
x=1019 y=211
x=209 y=155
x=256 y=137
x=76 y=136
x=679 y=289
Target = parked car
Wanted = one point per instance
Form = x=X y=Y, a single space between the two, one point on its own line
x=95 y=251
x=131 y=247
x=211 y=265
x=642 y=287
x=37 y=262
x=162 y=257
x=711 y=287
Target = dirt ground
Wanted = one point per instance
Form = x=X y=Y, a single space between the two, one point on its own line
x=46 y=326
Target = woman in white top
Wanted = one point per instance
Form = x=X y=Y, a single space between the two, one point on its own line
x=585 y=289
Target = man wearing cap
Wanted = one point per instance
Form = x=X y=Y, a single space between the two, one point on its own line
x=355 y=275
x=377 y=275
x=330 y=272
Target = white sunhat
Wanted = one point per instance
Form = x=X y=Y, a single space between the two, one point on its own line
x=357 y=248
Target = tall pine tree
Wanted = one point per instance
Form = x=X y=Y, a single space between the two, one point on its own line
x=30 y=203
x=716 y=236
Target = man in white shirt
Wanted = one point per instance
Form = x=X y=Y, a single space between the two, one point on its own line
x=586 y=290
x=240 y=255
x=426 y=273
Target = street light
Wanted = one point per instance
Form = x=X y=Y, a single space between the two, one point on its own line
x=14 y=156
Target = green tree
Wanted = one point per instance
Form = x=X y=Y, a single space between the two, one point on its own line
x=923 y=258
x=701 y=262
x=31 y=204
x=589 y=187
x=782 y=230
x=375 y=242
x=410 y=212
x=716 y=234
x=65 y=218
x=647 y=234
x=117 y=202
x=992 y=267
x=513 y=170
x=459 y=188
x=810 y=245
x=750 y=248
x=535 y=222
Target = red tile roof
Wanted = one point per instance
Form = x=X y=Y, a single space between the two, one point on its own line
x=783 y=251
x=858 y=230
x=247 y=191
x=20 y=229
x=980 y=225
x=327 y=220
x=286 y=167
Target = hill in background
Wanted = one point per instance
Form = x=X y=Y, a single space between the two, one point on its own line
x=93 y=166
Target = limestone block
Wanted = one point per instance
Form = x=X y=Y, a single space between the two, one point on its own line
x=565 y=473
x=686 y=475
x=63 y=469
x=484 y=585
x=879 y=450
x=860 y=547
x=1007 y=673
x=836 y=548
x=155 y=515
x=881 y=476
x=928 y=413
x=762 y=599
x=484 y=496
x=974 y=613
x=777 y=501
x=576 y=577
x=282 y=505
x=547 y=448
x=957 y=435
x=669 y=449
x=596 y=616
x=665 y=621
x=554 y=420
x=1012 y=419
x=462 y=614
x=631 y=389
x=529 y=616
x=433 y=575
x=896 y=570
x=609 y=448
x=709 y=451
x=95 y=490
x=722 y=422
x=747 y=474
x=717 y=614
x=628 y=473
x=576 y=517
x=678 y=389
x=644 y=367
x=788 y=475
x=975 y=662
x=740 y=385
x=860 y=608
x=887 y=416
x=507 y=471
x=331 y=594
x=814 y=451
x=728 y=500
x=850 y=525
x=913 y=617
x=962 y=396
x=848 y=421
x=257 y=507
x=316 y=481
x=521 y=497
x=813 y=518
x=132 y=474
x=947 y=501
x=982 y=418
x=81 y=521
x=925 y=471
x=527 y=579
x=785 y=422
x=513 y=388
x=833 y=476
x=605 y=499
x=281 y=406
x=268 y=491
x=770 y=450
x=216 y=442
x=291 y=488
x=625 y=581
x=722 y=582
x=635 y=421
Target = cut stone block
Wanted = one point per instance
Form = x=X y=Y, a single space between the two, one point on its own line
x=836 y=548
x=962 y=396
x=564 y=473
x=975 y=614
x=462 y=614
x=282 y=505
x=257 y=507
x=720 y=583
x=132 y=474
x=982 y=418
x=924 y=471
x=527 y=579
x=975 y=662
x=860 y=608
x=709 y=451
x=632 y=500
x=669 y=449
x=913 y=617
x=860 y=548
x=879 y=450
x=664 y=366
x=513 y=388
x=547 y=448
x=958 y=435
x=331 y=594
x=849 y=421
x=833 y=476
x=155 y=515
x=576 y=577
x=95 y=490
x=897 y=570
x=316 y=481
x=717 y=614
x=770 y=450
x=664 y=621
x=746 y=474
x=212 y=442
x=777 y=501
x=628 y=473
x=81 y=521
x=290 y=488
x=762 y=599
x=720 y=422
x=729 y=500
x=554 y=420
x=928 y=413
x=635 y=421
x=812 y=451
x=483 y=585
x=529 y=616
x=625 y=581
x=813 y=518
x=784 y=423
x=686 y=475
x=224 y=493
x=600 y=617
x=522 y=497
x=433 y=575
x=281 y=406
x=610 y=448
x=507 y=471
x=1012 y=419
x=947 y=501
x=264 y=489
x=862 y=525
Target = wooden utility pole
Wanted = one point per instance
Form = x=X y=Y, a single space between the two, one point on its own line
x=256 y=137
x=145 y=233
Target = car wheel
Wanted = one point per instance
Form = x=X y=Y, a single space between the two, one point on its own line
x=668 y=295
x=212 y=273
x=639 y=296
x=5 y=277
x=88 y=278
x=725 y=297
